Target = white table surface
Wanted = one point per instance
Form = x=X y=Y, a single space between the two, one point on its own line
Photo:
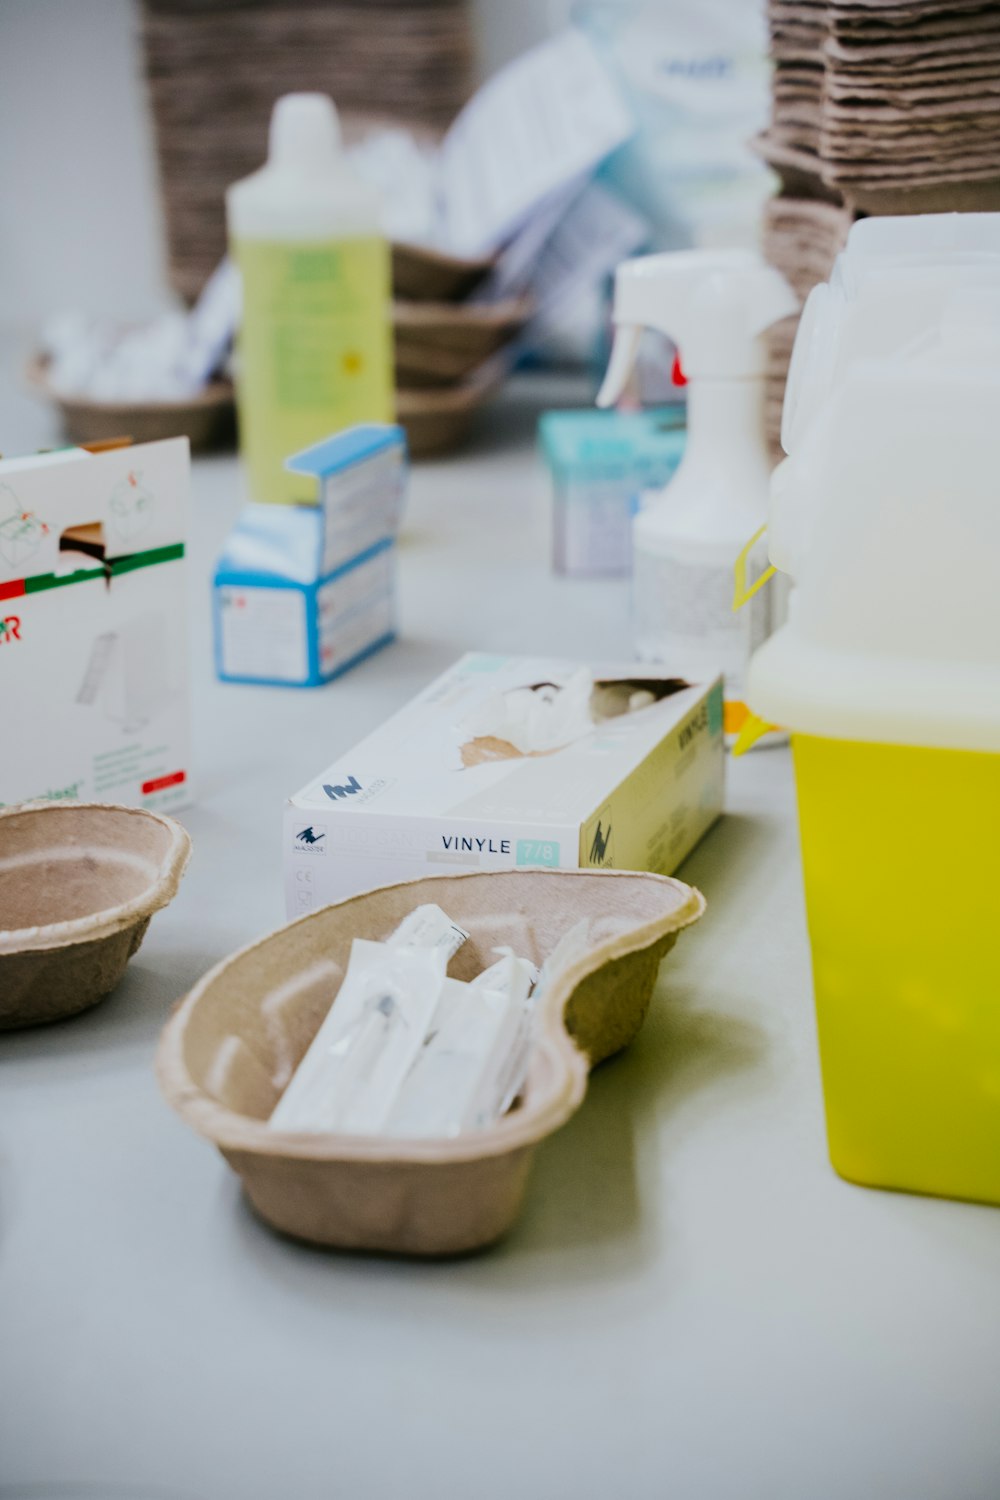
x=693 y=1305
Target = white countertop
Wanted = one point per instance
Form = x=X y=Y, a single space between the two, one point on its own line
x=693 y=1305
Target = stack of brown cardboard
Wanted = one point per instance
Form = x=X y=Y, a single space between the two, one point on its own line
x=879 y=106
x=802 y=237
x=215 y=68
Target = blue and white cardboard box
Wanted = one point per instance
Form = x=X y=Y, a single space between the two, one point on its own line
x=304 y=592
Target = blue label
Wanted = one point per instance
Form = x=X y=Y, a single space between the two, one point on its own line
x=538 y=852
x=481 y=661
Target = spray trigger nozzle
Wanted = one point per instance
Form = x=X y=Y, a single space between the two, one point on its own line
x=713 y=304
x=624 y=349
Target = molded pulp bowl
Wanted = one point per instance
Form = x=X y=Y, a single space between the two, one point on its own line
x=78 y=884
x=232 y=1045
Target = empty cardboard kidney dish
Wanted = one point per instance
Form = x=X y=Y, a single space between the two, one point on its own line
x=231 y=1047
x=206 y=418
x=78 y=884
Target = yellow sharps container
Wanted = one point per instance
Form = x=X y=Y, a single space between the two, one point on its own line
x=887 y=672
x=899 y=849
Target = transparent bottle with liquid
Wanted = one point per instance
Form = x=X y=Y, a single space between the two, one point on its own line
x=315 y=345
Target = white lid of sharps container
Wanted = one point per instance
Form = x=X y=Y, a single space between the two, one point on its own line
x=888 y=284
x=891 y=533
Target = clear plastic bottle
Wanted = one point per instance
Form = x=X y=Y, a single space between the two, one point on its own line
x=315 y=347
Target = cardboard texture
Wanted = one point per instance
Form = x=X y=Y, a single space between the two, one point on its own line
x=78 y=885
x=878 y=107
x=215 y=70
x=206 y=420
x=438 y=344
x=420 y=274
x=231 y=1047
x=93 y=626
x=887 y=93
x=437 y=419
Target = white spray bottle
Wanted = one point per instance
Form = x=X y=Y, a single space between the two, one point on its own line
x=714 y=305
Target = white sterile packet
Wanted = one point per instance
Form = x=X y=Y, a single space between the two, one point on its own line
x=348 y=1079
x=461 y=1078
x=428 y=927
x=510 y=1077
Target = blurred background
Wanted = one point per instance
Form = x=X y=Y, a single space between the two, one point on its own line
x=700 y=123
x=123 y=122
x=83 y=224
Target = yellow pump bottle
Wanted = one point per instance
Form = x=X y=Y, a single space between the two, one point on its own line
x=315 y=345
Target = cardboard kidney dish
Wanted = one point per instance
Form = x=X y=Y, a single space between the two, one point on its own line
x=231 y=1047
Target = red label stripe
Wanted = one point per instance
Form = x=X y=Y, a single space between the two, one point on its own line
x=12 y=590
x=174 y=779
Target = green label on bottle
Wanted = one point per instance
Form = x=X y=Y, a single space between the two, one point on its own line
x=315 y=352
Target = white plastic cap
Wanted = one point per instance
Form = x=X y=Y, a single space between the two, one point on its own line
x=934 y=236
x=306 y=189
x=884 y=512
x=305 y=133
x=888 y=287
x=892 y=531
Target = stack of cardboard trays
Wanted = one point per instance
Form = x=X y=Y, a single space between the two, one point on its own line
x=891 y=103
x=304 y=592
x=879 y=107
x=802 y=238
x=214 y=69
x=911 y=101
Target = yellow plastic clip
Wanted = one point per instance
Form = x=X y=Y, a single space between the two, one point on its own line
x=742 y=594
x=751 y=731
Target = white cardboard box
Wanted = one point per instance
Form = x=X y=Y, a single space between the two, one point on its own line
x=93 y=626
x=427 y=793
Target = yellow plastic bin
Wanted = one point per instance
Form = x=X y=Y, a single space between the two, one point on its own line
x=887 y=675
x=899 y=854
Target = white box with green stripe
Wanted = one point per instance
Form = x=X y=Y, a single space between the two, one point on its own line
x=93 y=626
x=509 y=761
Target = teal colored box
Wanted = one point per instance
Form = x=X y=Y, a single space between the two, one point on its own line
x=535 y=852
x=601 y=462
